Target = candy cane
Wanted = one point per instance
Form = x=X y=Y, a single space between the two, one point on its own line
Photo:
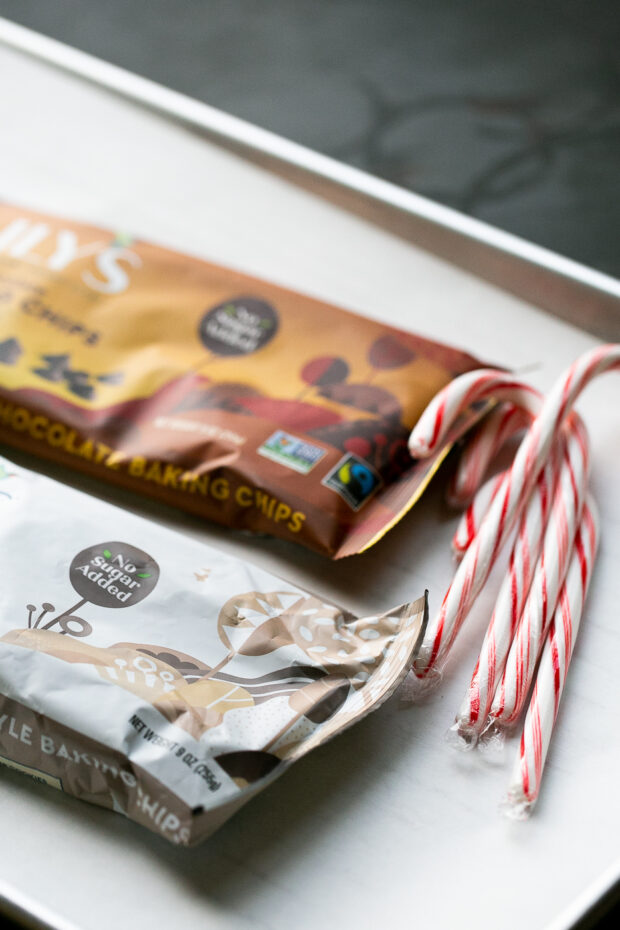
x=558 y=649
x=530 y=458
x=560 y=533
x=471 y=573
x=431 y=430
x=473 y=516
x=474 y=710
x=503 y=422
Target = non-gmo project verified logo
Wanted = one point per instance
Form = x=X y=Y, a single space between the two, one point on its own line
x=288 y=450
x=354 y=479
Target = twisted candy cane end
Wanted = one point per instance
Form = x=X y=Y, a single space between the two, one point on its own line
x=461 y=737
x=516 y=806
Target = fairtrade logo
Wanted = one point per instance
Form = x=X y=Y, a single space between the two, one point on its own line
x=353 y=479
x=238 y=327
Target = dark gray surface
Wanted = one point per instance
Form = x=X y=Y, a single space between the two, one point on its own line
x=509 y=111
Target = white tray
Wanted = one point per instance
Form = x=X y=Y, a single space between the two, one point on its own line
x=385 y=826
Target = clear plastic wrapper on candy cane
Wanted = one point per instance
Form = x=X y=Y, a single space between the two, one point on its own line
x=164 y=679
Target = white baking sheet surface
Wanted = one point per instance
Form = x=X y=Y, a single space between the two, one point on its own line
x=386 y=826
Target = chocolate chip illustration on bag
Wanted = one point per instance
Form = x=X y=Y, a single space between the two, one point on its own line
x=210 y=390
x=161 y=678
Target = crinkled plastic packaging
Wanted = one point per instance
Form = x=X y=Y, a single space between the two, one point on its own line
x=218 y=393
x=161 y=678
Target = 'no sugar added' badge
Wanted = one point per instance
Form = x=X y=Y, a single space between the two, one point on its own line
x=110 y=574
x=113 y=574
x=239 y=326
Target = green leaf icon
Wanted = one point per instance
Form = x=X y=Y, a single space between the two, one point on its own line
x=144 y=575
x=107 y=553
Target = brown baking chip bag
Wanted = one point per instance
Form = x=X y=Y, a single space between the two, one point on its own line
x=224 y=395
x=161 y=678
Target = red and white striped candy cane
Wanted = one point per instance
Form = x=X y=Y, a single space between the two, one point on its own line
x=530 y=458
x=428 y=434
x=431 y=430
x=483 y=444
x=558 y=649
x=474 y=710
x=473 y=515
x=569 y=496
x=501 y=424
